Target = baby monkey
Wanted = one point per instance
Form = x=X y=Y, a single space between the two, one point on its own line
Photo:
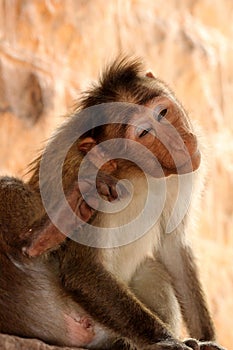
x=32 y=301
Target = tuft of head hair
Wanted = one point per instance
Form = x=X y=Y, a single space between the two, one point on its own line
x=121 y=81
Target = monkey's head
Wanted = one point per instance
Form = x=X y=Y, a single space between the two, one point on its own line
x=19 y=209
x=140 y=108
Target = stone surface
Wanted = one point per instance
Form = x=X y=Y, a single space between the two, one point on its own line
x=15 y=343
x=60 y=46
x=21 y=93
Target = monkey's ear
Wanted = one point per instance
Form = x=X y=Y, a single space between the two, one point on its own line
x=86 y=144
x=43 y=239
x=149 y=74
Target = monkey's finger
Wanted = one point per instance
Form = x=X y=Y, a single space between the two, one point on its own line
x=192 y=343
x=91 y=184
x=84 y=211
x=108 y=187
x=122 y=190
x=114 y=194
x=113 y=190
x=103 y=189
x=108 y=192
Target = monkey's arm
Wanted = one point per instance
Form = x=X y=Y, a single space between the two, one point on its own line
x=179 y=260
x=110 y=302
x=45 y=235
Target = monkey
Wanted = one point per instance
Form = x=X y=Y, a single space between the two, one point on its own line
x=30 y=289
x=136 y=292
x=130 y=296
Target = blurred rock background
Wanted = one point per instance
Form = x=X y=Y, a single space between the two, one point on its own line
x=50 y=49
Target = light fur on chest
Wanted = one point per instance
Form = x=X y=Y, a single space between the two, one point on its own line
x=148 y=226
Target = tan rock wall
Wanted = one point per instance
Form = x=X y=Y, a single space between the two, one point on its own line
x=50 y=49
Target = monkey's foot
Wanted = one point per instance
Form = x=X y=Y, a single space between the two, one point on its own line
x=199 y=345
x=209 y=345
x=172 y=344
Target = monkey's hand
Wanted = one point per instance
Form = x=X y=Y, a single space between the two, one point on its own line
x=109 y=187
x=82 y=198
x=105 y=185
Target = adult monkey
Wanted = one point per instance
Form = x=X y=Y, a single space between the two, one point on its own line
x=110 y=284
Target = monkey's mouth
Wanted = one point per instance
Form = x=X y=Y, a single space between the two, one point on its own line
x=189 y=166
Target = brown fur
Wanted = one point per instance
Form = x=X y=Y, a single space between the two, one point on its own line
x=96 y=280
x=31 y=294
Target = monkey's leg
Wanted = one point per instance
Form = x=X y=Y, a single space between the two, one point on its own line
x=111 y=303
x=153 y=286
x=179 y=261
x=181 y=265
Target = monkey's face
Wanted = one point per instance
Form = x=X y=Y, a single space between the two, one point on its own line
x=157 y=138
x=165 y=131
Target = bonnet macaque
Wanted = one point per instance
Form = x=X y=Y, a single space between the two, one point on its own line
x=130 y=296
x=32 y=301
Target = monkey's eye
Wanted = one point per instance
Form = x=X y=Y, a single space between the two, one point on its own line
x=142 y=132
x=160 y=113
